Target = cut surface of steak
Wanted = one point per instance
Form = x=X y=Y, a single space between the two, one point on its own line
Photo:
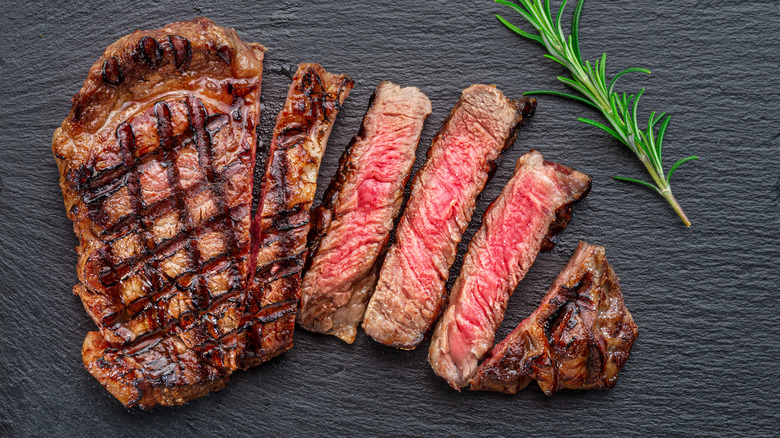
x=412 y=282
x=156 y=160
x=534 y=205
x=353 y=224
x=282 y=221
x=578 y=338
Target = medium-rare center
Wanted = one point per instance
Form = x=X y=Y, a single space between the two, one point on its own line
x=411 y=289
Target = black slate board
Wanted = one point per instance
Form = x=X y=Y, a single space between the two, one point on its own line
x=705 y=298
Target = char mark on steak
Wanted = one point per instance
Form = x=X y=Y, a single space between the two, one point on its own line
x=578 y=338
x=353 y=224
x=282 y=221
x=411 y=288
x=156 y=171
x=532 y=208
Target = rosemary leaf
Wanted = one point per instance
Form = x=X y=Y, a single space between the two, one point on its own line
x=621 y=111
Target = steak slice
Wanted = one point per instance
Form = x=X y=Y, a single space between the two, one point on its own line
x=281 y=224
x=156 y=160
x=578 y=338
x=411 y=286
x=534 y=206
x=354 y=222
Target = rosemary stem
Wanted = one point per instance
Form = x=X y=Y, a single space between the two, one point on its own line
x=676 y=206
x=664 y=189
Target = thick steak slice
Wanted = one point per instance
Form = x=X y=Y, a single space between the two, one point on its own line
x=411 y=289
x=353 y=224
x=578 y=338
x=281 y=224
x=156 y=160
x=534 y=205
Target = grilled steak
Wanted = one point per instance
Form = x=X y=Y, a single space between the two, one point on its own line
x=411 y=286
x=534 y=205
x=578 y=338
x=354 y=222
x=156 y=160
x=281 y=224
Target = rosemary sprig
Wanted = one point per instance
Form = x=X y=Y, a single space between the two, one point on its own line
x=589 y=80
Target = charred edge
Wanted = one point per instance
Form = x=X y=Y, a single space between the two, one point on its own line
x=565 y=295
x=225 y=53
x=526 y=106
x=112 y=71
x=346 y=162
x=76 y=178
x=320 y=219
x=150 y=51
x=295 y=217
x=314 y=92
x=182 y=51
x=321 y=215
x=281 y=268
x=278 y=189
x=562 y=219
x=347 y=83
x=272 y=312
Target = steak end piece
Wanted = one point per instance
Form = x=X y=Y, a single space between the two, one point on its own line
x=282 y=221
x=533 y=207
x=411 y=288
x=156 y=161
x=579 y=337
x=354 y=222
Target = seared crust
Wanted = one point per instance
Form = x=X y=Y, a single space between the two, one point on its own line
x=579 y=337
x=282 y=221
x=156 y=160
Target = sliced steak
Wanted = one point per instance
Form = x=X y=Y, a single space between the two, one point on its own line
x=534 y=205
x=281 y=224
x=411 y=289
x=578 y=338
x=156 y=160
x=354 y=222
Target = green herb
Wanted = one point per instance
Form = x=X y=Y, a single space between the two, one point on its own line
x=620 y=110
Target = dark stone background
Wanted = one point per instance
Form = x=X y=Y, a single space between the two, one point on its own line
x=704 y=298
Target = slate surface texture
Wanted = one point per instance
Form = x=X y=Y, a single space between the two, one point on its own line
x=705 y=298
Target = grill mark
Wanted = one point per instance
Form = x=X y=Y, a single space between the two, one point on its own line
x=197 y=290
x=167 y=143
x=169 y=246
x=186 y=320
x=150 y=51
x=286 y=267
x=112 y=71
x=203 y=140
x=182 y=51
x=126 y=141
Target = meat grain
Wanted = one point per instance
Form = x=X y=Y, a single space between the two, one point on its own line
x=156 y=160
x=410 y=291
x=532 y=208
x=353 y=224
x=579 y=337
